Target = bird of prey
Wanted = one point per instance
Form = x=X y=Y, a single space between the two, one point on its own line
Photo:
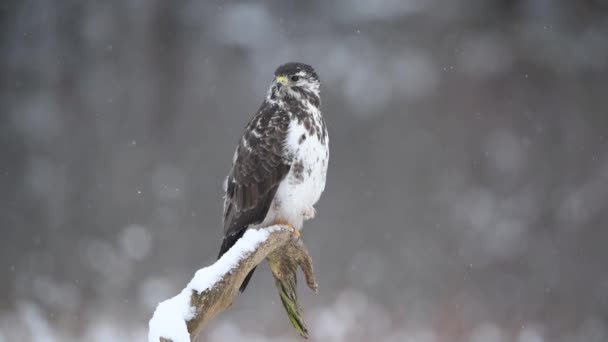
x=280 y=164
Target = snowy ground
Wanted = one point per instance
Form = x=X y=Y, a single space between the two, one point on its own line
x=351 y=316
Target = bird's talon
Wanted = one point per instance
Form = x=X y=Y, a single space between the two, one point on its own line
x=295 y=231
x=289 y=226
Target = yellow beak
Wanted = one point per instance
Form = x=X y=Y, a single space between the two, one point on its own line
x=281 y=79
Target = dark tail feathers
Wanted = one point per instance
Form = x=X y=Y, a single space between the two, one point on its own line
x=228 y=242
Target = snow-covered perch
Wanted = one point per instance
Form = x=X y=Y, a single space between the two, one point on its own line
x=213 y=288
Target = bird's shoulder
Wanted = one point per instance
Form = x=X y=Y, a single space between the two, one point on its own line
x=260 y=149
x=270 y=117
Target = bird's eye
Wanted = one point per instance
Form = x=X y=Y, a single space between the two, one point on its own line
x=295 y=78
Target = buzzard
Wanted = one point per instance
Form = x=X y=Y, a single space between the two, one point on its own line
x=280 y=164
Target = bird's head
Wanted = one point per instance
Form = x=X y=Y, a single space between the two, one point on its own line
x=295 y=80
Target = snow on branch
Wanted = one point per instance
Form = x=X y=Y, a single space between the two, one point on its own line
x=181 y=318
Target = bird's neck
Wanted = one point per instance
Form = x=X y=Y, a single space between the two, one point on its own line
x=304 y=99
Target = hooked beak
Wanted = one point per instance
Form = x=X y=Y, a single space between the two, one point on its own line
x=281 y=81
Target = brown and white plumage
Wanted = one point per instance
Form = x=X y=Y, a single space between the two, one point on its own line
x=280 y=164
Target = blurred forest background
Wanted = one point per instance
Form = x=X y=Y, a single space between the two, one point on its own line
x=467 y=195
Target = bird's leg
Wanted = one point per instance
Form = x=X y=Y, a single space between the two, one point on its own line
x=295 y=231
x=309 y=213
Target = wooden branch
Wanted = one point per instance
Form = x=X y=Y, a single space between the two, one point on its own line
x=213 y=288
x=284 y=263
